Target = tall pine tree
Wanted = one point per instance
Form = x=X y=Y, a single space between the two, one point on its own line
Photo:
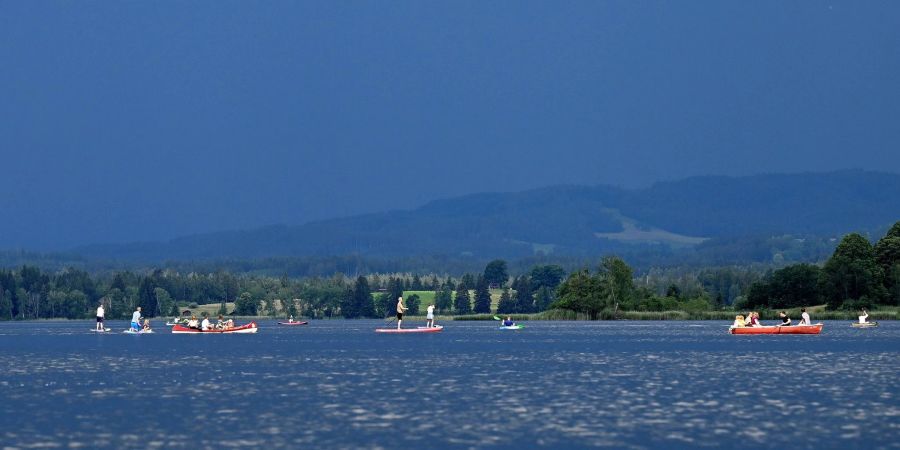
x=507 y=305
x=462 y=301
x=482 y=296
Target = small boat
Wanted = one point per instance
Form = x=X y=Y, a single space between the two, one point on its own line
x=433 y=329
x=292 y=323
x=243 y=329
x=130 y=331
x=512 y=327
x=788 y=329
x=864 y=324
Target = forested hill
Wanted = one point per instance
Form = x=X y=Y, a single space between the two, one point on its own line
x=684 y=215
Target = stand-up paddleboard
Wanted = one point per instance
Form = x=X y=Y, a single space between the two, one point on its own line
x=292 y=323
x=105 y=330
x=130 y=331
x=433 y=329
x=864 y=325
x=512 y=327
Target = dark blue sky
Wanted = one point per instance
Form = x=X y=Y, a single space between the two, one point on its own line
x=123 y=121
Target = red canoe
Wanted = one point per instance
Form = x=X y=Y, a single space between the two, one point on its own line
x=243 y=329
x=795 y=329
x=292 y=323
x=433 y=329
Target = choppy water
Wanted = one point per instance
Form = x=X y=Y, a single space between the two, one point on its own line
x=337 y=384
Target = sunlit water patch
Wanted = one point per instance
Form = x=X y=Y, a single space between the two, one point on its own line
x=336 y=384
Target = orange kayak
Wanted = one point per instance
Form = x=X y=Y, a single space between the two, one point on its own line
x=790 y=329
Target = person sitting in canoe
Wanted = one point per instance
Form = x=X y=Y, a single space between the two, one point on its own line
x=508 y=322
x=229 y=324
x=785 y=320
x=864 y=317
x=291 y=319
x=804 y=317
x=220 y=323
x=752 y=319
x=739 y=321
x=193 y=323
x=205 y=325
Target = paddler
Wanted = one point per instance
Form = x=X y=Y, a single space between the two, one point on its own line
x=400 y=310
x=785 y=320
x=100 y=315
x=864 y=317
x=204 y=325
x=429 y=317
x=136 y=319
x=508 y=322
x=804 y=317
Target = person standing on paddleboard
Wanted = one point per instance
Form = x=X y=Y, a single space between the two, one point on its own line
x=429 y=318
x=100 y=314
x=400 y=310
x=136 y=319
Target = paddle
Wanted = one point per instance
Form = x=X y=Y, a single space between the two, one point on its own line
x=496 y=318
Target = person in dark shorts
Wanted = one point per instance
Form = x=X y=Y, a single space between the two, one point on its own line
x=400 y=310
x=100 y=315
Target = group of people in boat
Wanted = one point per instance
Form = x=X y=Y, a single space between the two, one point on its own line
x=752 y=319
x=206 y=325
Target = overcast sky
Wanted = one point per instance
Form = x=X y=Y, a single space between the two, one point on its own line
x=144 y=120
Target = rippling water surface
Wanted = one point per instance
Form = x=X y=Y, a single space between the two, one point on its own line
x=337 y=384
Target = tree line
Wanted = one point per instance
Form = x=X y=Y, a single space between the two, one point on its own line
x=30 y=293
x=856 y=274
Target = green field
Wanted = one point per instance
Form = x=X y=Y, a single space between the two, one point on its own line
x=427 y=297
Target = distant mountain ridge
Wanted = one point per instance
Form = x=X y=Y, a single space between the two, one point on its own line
x=567 y=220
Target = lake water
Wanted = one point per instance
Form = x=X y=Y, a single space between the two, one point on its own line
x=337 y=384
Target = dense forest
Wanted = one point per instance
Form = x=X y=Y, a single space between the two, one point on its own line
x=857 y=274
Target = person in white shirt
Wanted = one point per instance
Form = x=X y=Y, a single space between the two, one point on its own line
x=429 y=318
x=804 y=320
x=864 y=317
x=100 y=315
x=204 y=326
x=136 y=319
